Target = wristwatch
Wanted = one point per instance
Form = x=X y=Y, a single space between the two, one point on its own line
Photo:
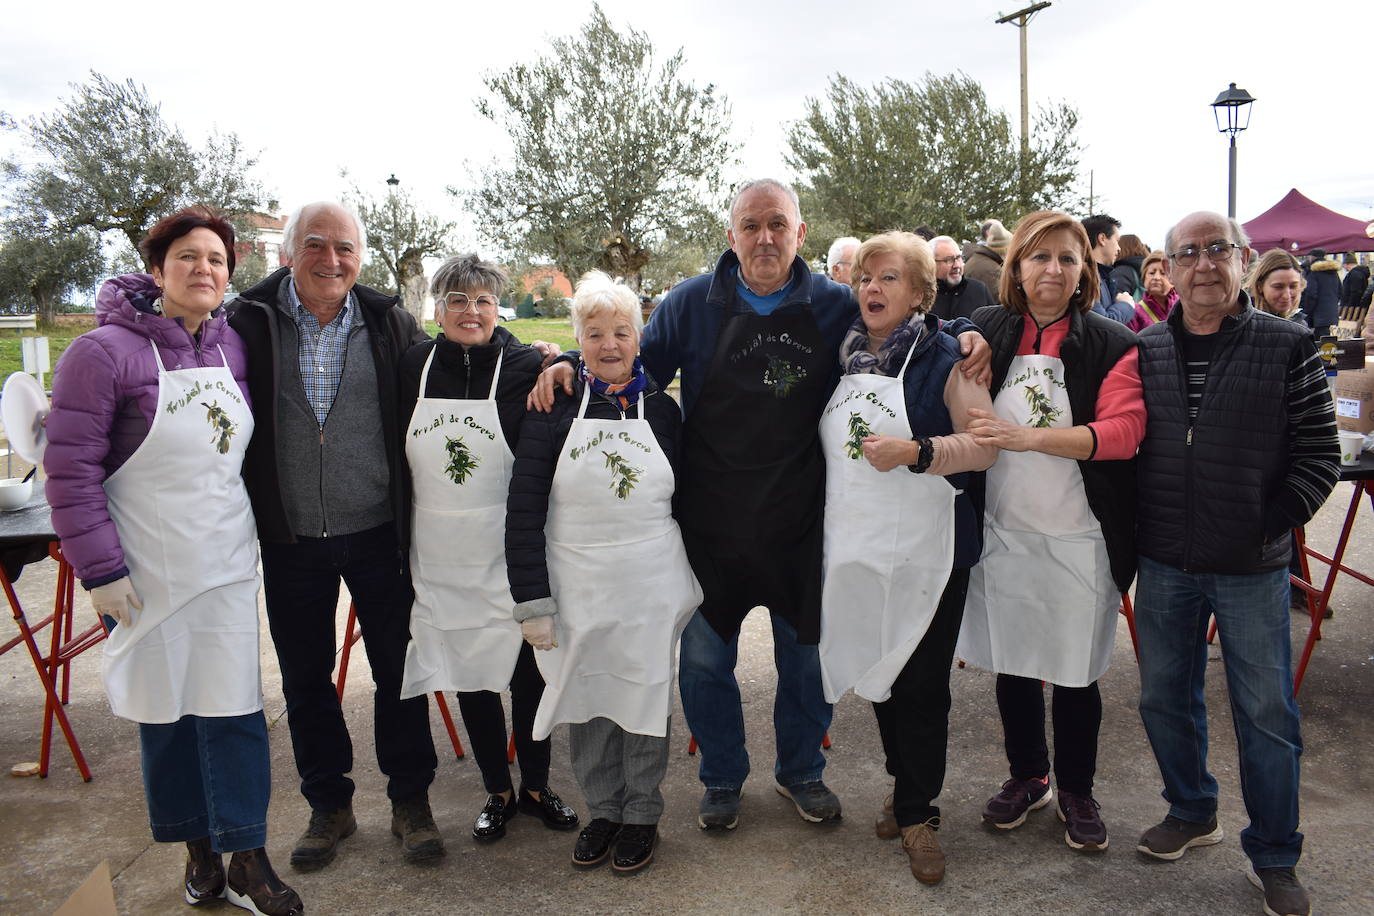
x=925 y=455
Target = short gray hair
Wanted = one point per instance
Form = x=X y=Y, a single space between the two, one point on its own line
x=293 y=226
x=837 y=247
x=943 y=238
x=753 y=183
x=464 y=273
x=1234 y=229
x=596 y=292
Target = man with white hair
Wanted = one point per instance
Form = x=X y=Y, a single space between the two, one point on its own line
x=840 y=258
x=326 y=478
x=956 y=295
x=1239 y=449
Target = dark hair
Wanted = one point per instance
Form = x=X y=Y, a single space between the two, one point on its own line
x=170 y=228
x=1099 y=224
x=1030 y=231
x=924 y=232
x=1133 y=247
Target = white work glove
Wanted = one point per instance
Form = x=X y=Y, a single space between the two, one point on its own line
x=116 y=600
x=538 y=632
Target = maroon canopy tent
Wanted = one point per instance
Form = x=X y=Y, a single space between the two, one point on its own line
x=1297 y=224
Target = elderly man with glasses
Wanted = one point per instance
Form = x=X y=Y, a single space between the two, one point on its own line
x=956 y=295
x=1239 y=448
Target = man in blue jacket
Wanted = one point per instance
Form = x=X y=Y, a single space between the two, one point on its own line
x=1105 y=234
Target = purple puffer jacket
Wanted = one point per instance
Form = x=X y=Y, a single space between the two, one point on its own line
x=104 y=396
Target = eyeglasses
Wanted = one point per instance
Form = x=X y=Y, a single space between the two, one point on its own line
x=1217 y=252
x=949 y=260
x=459 y=303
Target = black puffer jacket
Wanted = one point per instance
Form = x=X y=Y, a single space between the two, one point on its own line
x=961 y=301
x=1093 y=346
x=466 y=375
x=1126 y=275
x=391 y=331
x=541 y=442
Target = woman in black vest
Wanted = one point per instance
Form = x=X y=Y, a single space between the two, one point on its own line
x=1059 y=521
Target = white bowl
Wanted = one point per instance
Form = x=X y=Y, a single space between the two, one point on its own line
x=15 y=492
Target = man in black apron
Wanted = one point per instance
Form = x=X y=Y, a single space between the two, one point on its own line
x=757 y=345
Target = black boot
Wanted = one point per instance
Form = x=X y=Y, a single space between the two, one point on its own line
x=204 y=872
x=253 y=885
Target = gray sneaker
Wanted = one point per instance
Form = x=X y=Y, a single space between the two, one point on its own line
x=1172 y=837
x=719 y=809
x=1284 y=894
x=814 y=800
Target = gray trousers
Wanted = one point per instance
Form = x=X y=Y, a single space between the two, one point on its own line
x=619 y=771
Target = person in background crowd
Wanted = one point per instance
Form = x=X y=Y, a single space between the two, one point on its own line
x=1321 y=299
x=956 y=295
x=327 y=479
x=463 y=400
x=983 y=261
x=1105 y=234
x=897 y=517
x=1276 y=284
x=1160 y=297
x=599 y=575
x=1059 y=529
x=146 y=439
x=1128 y=272
x=1214 y=524
x=1354 y=283
x=840 y=259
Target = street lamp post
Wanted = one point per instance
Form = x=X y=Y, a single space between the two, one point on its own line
x=1235 y=103
x=1021 y=19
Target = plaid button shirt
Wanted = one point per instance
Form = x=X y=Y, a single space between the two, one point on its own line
x=322 y=351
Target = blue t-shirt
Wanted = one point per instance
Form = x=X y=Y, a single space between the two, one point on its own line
x=764 y=305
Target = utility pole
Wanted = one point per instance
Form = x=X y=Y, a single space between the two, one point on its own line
x=1021 y=19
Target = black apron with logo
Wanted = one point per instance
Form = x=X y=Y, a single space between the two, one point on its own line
x=751 y=490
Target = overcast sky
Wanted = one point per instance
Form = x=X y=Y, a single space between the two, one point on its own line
x=389 y=87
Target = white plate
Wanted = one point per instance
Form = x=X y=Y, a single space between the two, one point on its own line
x=23 y=407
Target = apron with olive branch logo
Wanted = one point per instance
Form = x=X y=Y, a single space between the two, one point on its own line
x=619 y=573
x=462 y=635
x=187 y=532
x=1042 y=603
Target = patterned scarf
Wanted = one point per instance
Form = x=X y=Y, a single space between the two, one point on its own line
x=626 y=392
x=854 y=355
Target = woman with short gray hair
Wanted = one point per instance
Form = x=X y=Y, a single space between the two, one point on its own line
x=464 y=392
x=599 y=575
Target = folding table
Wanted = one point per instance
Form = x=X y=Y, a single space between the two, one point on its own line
x=26 y=536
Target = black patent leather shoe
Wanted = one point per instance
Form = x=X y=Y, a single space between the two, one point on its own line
x=634 y=848
x=204 y=872
x=549 y=809
x=491 y=823
x=594 y=843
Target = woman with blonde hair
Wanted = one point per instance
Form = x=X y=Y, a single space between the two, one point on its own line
x=1276 y=284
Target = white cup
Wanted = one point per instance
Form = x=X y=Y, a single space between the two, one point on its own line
x=1351 y=445
x=15 y=492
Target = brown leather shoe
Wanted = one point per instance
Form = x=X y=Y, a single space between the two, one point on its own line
x=204 y=872
x=413 y=822
x=923 y=849
x=315 y=848
x=886 y=825
x=253 y=885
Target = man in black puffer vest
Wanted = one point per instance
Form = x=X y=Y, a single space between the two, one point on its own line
x=1240 y=448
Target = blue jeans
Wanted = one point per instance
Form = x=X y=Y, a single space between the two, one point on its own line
x=711 y=702
x=208 y=776
x=1171 y=617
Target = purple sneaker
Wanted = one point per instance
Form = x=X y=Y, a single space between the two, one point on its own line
x=1083 y=825
x=1017 y=798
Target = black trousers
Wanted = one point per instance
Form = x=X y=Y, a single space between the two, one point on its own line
x=301 y=584
x=914 y=721
x=485 y=721
x=1077 y=715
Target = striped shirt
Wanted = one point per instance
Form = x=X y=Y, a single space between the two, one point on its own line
x=321 y=352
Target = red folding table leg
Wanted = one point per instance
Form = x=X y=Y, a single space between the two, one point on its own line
x=1128 y=611
x=510 y=749
x=52 y=706
x=448 y=723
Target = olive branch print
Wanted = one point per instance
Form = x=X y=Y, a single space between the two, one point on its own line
x=781 y=375
x=858 y=429
x=461 y=462
x=224 y=427
x=1042 y=408
x=623 y=475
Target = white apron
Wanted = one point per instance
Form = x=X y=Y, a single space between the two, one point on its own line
x=889 y=543
x=1042 y=603
x=462 y=635
x=619 y=573
x=189 y=541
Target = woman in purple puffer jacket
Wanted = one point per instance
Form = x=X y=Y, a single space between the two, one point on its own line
x=146 y=437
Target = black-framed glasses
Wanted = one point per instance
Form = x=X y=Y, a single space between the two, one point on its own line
x=949 y=260
x=1217 y=252
x=461 y=302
